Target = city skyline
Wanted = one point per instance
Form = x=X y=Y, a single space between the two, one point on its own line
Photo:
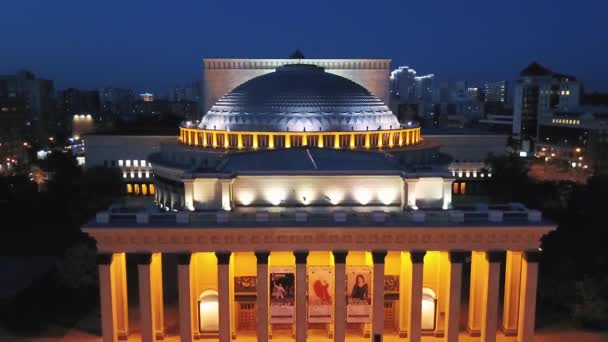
x=154 y=46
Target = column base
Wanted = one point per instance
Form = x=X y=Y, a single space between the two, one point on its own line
x=439 y=333
x=402 y=334
x=474 y=332
x=160 y=335
x=122 y=336
x=508 y=332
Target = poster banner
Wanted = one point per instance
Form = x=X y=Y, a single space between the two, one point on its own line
x=282 y=294
x=320 y=294
x=358 y=294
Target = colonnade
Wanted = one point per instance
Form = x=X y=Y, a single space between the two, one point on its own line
x=518 y=308
x=269 y=140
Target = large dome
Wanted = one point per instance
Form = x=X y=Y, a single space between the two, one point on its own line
x=297 y=98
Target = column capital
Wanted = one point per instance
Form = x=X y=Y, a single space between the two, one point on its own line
x=495 y=256
x=262 y=257
x=458 y=256
x=378 y=256
x=339 y=256
x=104 y=258
x=143 y=258
x=301 y=256
x=531 y=256
x=417 y=257
x=223 y=257
x=184 y=258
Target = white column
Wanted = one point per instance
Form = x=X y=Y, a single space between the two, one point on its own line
x=454 y=287
x=301 y=317
x=340 y=295
x=447 y=193
x=226 y=185
x=527 y=297
x=415 y=316
x=146 y=315
x=378 y=294
x=184 y=282
x=223 y=284
x=489 y=320
x=189 y=194
x=262 y=294
x=512 y=288
x=106 y=294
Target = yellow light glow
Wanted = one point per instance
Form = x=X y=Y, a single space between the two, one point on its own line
x=387 y=195
x=275 y=195
x=578 y=149
x=209 y=312
x=246 y=197
x=362 y=195
x=334 y=196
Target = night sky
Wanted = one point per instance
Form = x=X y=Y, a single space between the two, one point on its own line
x=153 y=45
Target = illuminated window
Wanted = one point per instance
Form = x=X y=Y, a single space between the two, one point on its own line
x=136 y=163
x=144 y=189
x=429 y=309
x=136 y=189
x=151 y=189
x=128 y=162
x=129 y=188
x=208 y=311
x=463 y=188
x=455 y=188
x=120 y=163
x=567 y=92
x=142 y=162
x=147 y=174
x=139 y=174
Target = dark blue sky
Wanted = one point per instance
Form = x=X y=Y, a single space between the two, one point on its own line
x=153 y=45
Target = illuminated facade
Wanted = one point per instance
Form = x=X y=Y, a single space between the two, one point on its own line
x=307 y=241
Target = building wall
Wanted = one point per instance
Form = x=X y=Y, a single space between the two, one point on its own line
x=222 y=75
x=473 y=147
x=100 y=148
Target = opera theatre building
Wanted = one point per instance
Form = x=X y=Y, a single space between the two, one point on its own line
x=299 y=208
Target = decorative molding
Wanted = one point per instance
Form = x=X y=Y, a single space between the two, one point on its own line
x=104 y=258
x=417 y=257
x=378 y=256
x=223 y=257
x=143 y=258
x=340 y=257
x=184 y=258
x=301 y=256
x=458 y=256
x=532 y=256
x=262 y=257
x=180 y=240
x=495 y=256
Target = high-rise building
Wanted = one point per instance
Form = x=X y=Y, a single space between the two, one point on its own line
x=116 y=100
x=540 y=90
x=38 y=96
x=495 y=92
x=75 y=101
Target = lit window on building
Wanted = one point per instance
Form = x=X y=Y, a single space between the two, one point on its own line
x=128 y=162
x=463 y=188
x=151 y=189
x=142 y=163
x=136 y=162
x=136 y=189
x=144 y=189
x=129 y=188
x=455 y=188
x=120 y=162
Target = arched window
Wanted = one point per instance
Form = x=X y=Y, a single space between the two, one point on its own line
x=208 y=312
x=429 y=308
